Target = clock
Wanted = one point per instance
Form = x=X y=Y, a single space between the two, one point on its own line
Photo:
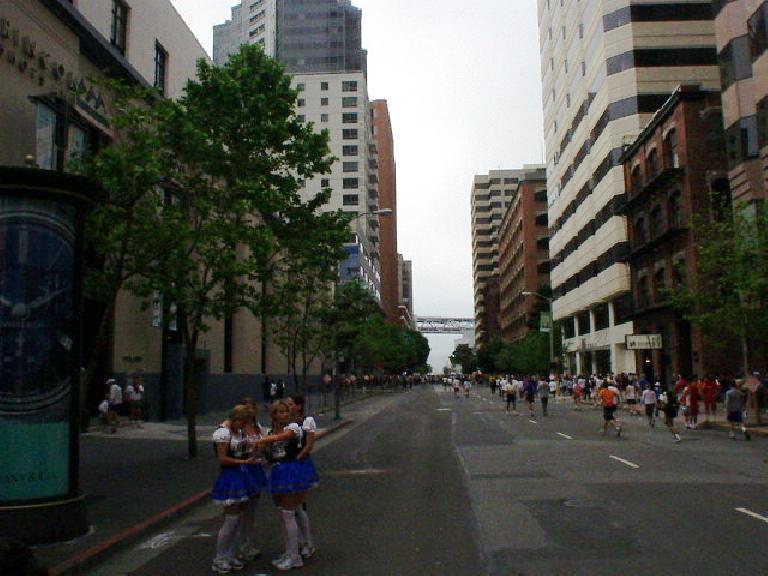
x=37 y=267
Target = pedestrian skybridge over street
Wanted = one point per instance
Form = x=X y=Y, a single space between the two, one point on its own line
x=438 y=325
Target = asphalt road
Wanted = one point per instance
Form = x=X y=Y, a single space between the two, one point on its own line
x=429 y=484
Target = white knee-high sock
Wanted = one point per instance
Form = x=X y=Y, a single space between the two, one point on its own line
x=291 y=533
x=247 y=526
x=225 y=543
x=303 y=521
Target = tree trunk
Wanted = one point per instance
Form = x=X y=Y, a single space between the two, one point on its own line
x=190 y=389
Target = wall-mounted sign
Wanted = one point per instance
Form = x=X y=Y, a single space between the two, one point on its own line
x=643 y=341
x=21 y=51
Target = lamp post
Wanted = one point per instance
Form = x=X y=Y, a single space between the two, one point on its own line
x=551 y=323
x=336 y=375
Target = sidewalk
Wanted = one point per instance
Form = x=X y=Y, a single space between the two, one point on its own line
x=139 y=478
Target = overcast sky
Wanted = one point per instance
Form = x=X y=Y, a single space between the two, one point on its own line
x=463 y=86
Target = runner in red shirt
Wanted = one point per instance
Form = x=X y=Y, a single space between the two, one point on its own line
x=609 y=400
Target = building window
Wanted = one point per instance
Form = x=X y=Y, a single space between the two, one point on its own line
x=635 y=180
x=323 y=101
x=77 y=146
x=670 y=150
x=583 y=322
x=47 y=133
x=301 y=118
x=161 y=67
x=350 y=200
x=350 y=151
x=602 y=317
x=350 y=166
x=323 y=117
x=655 y=222
x=349 y=118
x=349 y=134
x=640 y=237
x=351 y=183
x=301 y=102
x=349 y=102
x=349 y=86
x=119 y=25
x=659 y=285
x=301 y=87
x=325 y=182
x=653 y=163
x=675 y=211
x=324 y=86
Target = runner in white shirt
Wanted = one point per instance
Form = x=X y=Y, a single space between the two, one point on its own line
x=631 y=396
x=649 y=401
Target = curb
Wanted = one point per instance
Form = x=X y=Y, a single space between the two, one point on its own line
x=99 y=551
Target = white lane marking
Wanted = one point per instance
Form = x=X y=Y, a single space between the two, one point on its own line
x=444 y=410
x=533 y=421
x=158 y=541
x=565 y=436
x=627 y=462
x=753 y=514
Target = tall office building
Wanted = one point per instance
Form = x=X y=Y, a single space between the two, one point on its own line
x=741 y=27
x=491 y=195
x=607 y=66
x=320 y=44
x=387 y=192
x=307 y=37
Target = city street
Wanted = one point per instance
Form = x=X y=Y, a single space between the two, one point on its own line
x=425 y=483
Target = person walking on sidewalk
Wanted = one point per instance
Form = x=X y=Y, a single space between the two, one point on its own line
x=735 y=401
x=709 y=394
x=288 y=481
x=608 y=399
x=233 y=488
x=115 y=403
x=135 y=396
x=671 y=407
x=467 y=386
x=649 y=403
x=456 y=386
x=543 y=391
x=631 y=395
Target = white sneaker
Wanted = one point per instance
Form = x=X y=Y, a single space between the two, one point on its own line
x=288 y=563
x=308 y=550
x=221 y=567
x=280 y=559
x=236 y=564
x=677 y=438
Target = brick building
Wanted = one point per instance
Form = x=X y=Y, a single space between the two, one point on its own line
x=387 y=196
x=524 y=256
x=674 y=171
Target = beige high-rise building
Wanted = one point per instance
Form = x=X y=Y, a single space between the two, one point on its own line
x=742 y=46
x=607 y=66
x=491 y=195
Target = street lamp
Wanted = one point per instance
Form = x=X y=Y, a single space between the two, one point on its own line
x=551 y=322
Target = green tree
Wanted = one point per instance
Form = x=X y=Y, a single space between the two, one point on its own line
x=728 y=297
x=243 y=157
x=465 y=357
x=486 y=356
x=304 y=284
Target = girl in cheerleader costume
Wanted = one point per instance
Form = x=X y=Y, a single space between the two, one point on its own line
x=309 y=428
x=288 y=480
x=257 y=479
x=233 y=488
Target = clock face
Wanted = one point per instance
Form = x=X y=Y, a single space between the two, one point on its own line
x=37 y=328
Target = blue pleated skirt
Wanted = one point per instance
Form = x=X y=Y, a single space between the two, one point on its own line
x=291 y=477
x=233 y=485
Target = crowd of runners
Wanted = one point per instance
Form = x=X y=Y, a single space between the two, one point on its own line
x=635 y=395
x=275 y=460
